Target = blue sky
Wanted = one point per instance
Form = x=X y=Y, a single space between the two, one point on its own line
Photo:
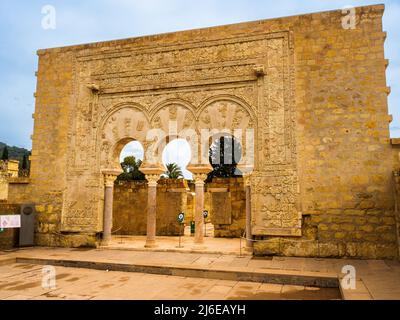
x=21 y=34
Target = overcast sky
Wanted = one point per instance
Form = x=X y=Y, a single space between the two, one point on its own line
x=21 y=34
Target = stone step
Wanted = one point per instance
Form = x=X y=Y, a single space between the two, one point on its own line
x=244 y=252
x=274 y=276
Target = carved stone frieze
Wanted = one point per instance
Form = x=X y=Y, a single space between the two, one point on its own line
x=232 y=84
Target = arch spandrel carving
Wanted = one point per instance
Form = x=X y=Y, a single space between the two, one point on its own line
x=176 y=112
x=224 y=114
x=222 y=95
x=120 y=126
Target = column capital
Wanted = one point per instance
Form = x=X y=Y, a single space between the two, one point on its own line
x=152 y=173
x=152 y=179
x=152 y=169
x=110 y=176
x=199 y=178
x=200 y=172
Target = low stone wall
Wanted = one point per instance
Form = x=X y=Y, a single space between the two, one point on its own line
x=10 y=237
x=130 y=207
x=18 y=190
x=364 y=233
x=225 y=199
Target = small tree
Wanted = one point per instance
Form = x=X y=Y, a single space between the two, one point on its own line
x=4 y=157
x=131 y=170
x=173 y=171
x=24 y=165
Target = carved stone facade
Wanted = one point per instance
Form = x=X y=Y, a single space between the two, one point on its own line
x=314 y=95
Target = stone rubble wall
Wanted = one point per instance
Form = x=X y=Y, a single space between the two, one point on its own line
x=130 y=207
x=235 y=208
x=173 y=197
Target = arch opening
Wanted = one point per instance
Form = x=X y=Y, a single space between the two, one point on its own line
x=131 y=158
x=225 y=153
x=176 y=156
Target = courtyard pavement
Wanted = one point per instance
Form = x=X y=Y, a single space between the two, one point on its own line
x=376 y=279
x=24 y=282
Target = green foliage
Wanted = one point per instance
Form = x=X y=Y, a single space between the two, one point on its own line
x=14 y=153
x=224 y=155
x=131 y=170
x=5 y=154
x=173 y=171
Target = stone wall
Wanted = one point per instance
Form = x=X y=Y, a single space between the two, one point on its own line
x=345 y=156
x=344 y=148
x=130 y=207
x=225 y=199
x=9 y=238
x=396 y=191
x=314 y=92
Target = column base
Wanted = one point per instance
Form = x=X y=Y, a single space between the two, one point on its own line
x=105 y=242
x=151 y=244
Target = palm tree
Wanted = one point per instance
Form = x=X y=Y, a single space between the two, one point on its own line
x=173 y=171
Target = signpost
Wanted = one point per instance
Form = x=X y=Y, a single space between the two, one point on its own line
x=181 y=221
x=205 y=216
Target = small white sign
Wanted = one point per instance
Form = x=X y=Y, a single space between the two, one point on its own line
x=12 y=221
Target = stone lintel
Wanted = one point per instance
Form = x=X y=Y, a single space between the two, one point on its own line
x=217 y=189
x=152 y=169
x=111 y=172
x=199 y=168
x=177 y=190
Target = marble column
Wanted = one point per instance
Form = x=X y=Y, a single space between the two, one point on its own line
x=109 y=179
x=199 y=196
x=200 y=172
x=151 y=210
x=152 y=173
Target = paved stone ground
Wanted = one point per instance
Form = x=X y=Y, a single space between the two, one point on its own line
x=24 y=282
x=379 y=279
x=171 y=244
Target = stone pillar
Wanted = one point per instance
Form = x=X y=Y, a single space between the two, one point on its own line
x=109 y=179
x=199 y=205
x=152 y=173
x=151 y=210
x=199 y=176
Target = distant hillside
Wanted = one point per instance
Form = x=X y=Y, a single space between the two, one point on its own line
x=14 y=153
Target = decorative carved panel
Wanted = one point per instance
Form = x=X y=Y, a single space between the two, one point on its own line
x=234 y=83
